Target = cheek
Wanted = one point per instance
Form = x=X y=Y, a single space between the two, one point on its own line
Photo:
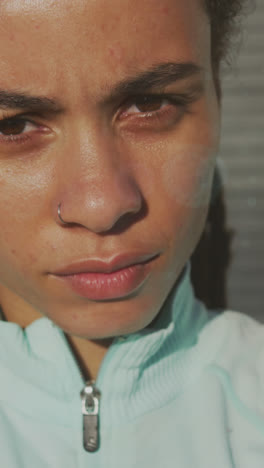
x=14 y=209
x=186 y=181
x=20 y=208
x=178 y=189
x=177 y=170
x=177 y=178
x=186 y=176
x=16 y=255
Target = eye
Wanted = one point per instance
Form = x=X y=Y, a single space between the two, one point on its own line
x=16 y=129
x=148 y=104
x=154 y=112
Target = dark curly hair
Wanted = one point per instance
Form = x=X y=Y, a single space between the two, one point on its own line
x=225 y=16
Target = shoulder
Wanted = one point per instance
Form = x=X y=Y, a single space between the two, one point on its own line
x=243 y=339
x=239 y=361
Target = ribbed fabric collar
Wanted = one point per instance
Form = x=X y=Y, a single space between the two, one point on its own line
x=144 y=371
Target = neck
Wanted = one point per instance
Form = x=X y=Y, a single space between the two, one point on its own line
x=89 y=354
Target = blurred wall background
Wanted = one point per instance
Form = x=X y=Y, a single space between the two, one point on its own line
x=241 y=161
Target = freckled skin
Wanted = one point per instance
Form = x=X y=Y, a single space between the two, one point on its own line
x=165 y=10
x=100 y=168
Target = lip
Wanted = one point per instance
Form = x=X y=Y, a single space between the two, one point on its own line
x=96 y=265
x=101 y=280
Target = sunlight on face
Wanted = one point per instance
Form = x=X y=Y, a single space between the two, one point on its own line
x=114 y=116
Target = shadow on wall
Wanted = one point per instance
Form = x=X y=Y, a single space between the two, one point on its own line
x=212 y=256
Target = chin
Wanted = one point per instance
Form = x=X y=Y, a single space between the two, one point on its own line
x=107 y=320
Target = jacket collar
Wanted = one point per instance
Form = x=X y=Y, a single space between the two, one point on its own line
x=164 y=355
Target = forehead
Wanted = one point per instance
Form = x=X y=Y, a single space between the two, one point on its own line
x=52 y=44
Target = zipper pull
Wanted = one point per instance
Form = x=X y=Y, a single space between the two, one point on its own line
x=90 y=409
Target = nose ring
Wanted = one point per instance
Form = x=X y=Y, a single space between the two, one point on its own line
x=59 y=214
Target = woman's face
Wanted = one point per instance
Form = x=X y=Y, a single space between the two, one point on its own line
x=132 y=173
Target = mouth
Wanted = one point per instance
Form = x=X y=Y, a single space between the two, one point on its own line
x=101 y=280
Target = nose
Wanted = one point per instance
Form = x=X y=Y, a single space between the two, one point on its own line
x=99 y=188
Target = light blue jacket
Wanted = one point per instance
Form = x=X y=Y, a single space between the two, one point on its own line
x=188 y=393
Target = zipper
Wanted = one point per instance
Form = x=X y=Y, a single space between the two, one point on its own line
x=90 y=396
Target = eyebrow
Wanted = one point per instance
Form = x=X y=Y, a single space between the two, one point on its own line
x=17 y=100
x=157 y=76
